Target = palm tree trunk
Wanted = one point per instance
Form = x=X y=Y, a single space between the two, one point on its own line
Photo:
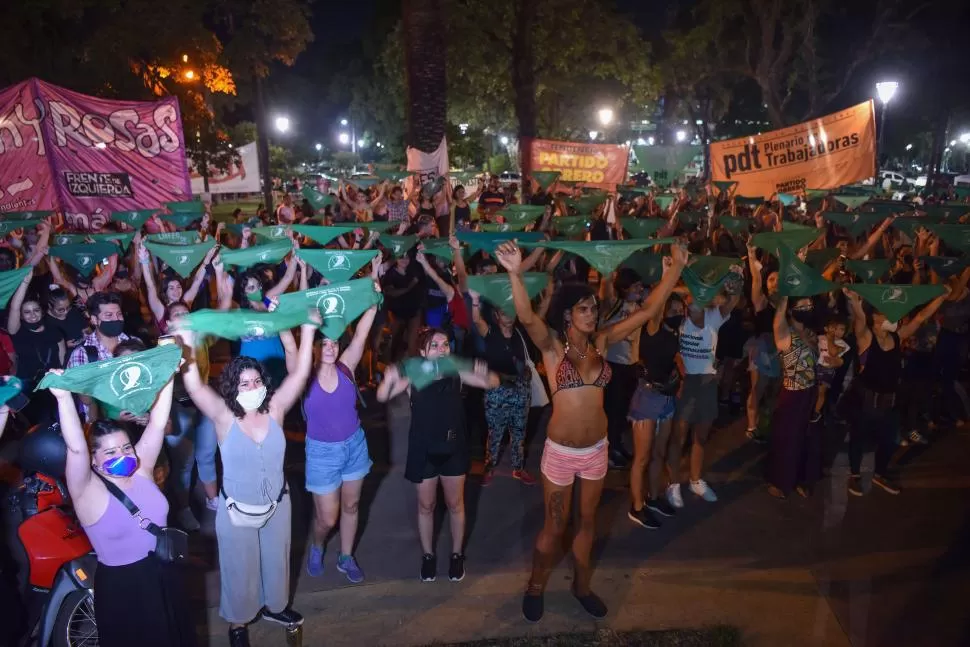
x=262 y=143
x=425 y=61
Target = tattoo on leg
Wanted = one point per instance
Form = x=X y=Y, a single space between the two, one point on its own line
x=556 y=510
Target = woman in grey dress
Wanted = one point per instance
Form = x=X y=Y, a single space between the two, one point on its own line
x=248 y=412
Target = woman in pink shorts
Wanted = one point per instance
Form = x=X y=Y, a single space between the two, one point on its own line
x=576 y=443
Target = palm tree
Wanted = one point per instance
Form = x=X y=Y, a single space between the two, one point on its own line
x=425 y=61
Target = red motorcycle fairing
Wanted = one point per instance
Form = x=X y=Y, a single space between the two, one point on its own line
x=51 y=539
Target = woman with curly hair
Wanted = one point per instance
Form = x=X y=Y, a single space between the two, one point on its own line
x=572 y=351
x=248 y=412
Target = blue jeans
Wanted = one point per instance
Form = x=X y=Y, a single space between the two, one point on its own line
x=193 y=442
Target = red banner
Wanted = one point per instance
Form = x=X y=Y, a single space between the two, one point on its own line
x=600 y=166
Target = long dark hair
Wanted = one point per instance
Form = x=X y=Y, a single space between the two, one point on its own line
x=229 y=384
x=100 y=428
x=567 y=296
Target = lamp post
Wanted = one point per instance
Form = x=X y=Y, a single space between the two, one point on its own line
x=885 y=91
x=605 y=116
x=353 y=132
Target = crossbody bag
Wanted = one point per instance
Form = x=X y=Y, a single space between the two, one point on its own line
x=251 y=515
x=171 y=544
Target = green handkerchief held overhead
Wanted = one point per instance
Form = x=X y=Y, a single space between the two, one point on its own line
x=793 y=239
x=856 y=223
x=129 y=383
x=438 y=247
x=735 y=225
x=797 y=279
x=25 y=215
x=135 y=219
x=174 y=238
x=910 y=225
x=869 y=271
x=815 y=194
x=236 y=324
x=485 y=241
x=318 y=200
x=273 y=232
x=10 y=226
x=340 y=304
x=337 y=265
x=10 y=388
x=492 y=227
x=570 y=225
x=587 y=204
x=819 y=259
x=786 y=199
x=948 y=213
x=545 y=179
x=664 y=201
x=957 y=236
x=399 y=245
x=497 y=288
x=271 y=253
x=393 y=176
x=724 y=187
x=363 y=182
x=706 y=275
x=648 y=266
x=851 y=202
x=745 y=201
x=945 y=266
x=10 y=281
x=421 y=372
x=604 y=256
x=186 y=206
x=181 y=258
x=895 y=301
x=521 y=213
x=642 y=227
x=84 y=257
x=320 y=234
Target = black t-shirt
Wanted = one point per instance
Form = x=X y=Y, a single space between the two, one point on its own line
x=731 y=337
x=505 y=355
x=407 y=304
x=491 y=199
x=37 y=352
x=72 y=328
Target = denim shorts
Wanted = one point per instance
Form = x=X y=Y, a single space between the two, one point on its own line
x=650 y=404
x=328 y=465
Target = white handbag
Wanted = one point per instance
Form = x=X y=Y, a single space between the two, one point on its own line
x=251 y=515
x=539 y=396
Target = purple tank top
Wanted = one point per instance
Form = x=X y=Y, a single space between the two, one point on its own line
x=116 y=536
x=332 y=417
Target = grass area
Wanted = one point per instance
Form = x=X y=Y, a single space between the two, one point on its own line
x=223 y=210
x=717 y=636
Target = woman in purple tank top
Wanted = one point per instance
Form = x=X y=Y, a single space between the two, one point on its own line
x=337 y=459
x=139 y=599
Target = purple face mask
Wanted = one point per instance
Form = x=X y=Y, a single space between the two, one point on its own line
x=120 y=466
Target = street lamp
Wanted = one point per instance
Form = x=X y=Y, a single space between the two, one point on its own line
x=885 y=90
x=504 y=140
x=593 y=135
x=282 y=124
x=965 y=138
x=605 y=116
x=681 y=135
x=360 y=143
x=189 y=74
x=909 y=147
x=343 y=138
x=343 y=122
x=318 y=146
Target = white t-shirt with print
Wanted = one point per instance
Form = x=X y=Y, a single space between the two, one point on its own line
x=698 y=345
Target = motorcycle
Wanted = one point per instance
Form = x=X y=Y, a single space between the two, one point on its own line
x=54 y=558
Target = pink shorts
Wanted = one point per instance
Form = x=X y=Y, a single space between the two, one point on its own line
x=562 y=465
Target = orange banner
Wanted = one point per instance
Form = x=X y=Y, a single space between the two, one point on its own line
x=595 y=165
x=824 y=153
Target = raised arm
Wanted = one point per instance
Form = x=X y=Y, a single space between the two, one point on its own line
x=480 y=377
x=284 y=283
x=758 y=299
x=151 y=290
x=480 y=324
x=295 y=382
x=101 y=282
x=77 y=469
x=351 y=356
x=863 y=335
x=874 y=238
x=422 y=260
x=392 y=385
x=510 y=257
x=223 y=284
x=780 y=326
x=13 y=309
x=461 y=272
x=198 y=278
x=204 y=396
x=150 y=444
x=60 y=279
x=910 y=328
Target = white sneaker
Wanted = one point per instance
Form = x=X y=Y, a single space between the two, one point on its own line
x=187 y=520
x=703 y=490
x=212 y=504
x=673 y=495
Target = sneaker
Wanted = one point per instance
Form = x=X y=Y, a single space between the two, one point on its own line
x=287 y=617
x=917 y=438
x=347 y=565
x=661 y=506
x=429 y=568
x=755 y=437
x=456 y=568
x=488 y=476
x=239 y=637
x=212 y=504
x=187 y=520
x=593 y=604
x=644 y=518
x=524 y=476
x=314 y=561
x=703 y=490
x=532 y=607
x=816 y=416
x=855 y=485
x=673 y=495
x=885 y=483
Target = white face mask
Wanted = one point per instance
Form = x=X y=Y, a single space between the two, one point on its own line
x=251 y=400
x=889 y=326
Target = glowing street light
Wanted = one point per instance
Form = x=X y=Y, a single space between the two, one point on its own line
x=650 y=141
x=282 y=124
x=965 y=138
x=318 y=146
x=593 y=135
x=681 y=135
x=343 y=138
x=343 y=122
x=909 y=147
x=886 y=90
x=361 y=143
x=504 y=140
x=605 y=116
x=189 y=74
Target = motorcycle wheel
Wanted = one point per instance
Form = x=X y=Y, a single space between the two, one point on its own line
x=75 y=625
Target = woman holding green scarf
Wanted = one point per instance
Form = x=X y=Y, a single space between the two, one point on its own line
x=172 y=288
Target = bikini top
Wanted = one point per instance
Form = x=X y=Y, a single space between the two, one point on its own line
x=568 y=376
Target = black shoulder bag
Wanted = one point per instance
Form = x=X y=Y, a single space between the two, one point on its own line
x=171 y=544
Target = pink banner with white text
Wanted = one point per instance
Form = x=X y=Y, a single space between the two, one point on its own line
x=85 y=157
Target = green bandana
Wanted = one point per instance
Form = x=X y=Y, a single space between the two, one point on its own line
x=271 y=253
x=84 y=257
x=254 y=296
x=605 y=256
x=337 y=265
x=945 y=266
x=10 y=226
x=236 y=324
x=869 y=271
x=318 y=233
x=587 y=204
x=399 y=245
x=521 y=213
x=545 y=179
x=438 y=247
x=340 y=304
x=724 y=187
x=856 y=223
x=664 y=201
x=181 y=219
x=895 y=301
x=9 y=282
x=796 y=279
x=910 y=224
x=887 y=208
x=273 y=232
x=851 y=201
x=947 y=213
x=493 y=227
x=734 y=225
x=956 y=236
x=642 y=227
x=375 y=225
x=786 y=199
x=122 y=240
x=706 y=275
x=497 y=288
x=488 y=241
x=794 y=239
x=25 y=215
x=363 y=182
x=174 y=238
x=181 y=258
x=10 y=388
x=421 y=372
x=962 y=192
x=815 y=194
x=648 y=266
x=319 y=201
x=570 y=225
x=188 y=206
x=691 y=218
x=393 y=176
x=129 y=383
x=134 y=219
x=744 y=201
x=819 y=259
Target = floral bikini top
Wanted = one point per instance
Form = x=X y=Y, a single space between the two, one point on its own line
x=568 y=376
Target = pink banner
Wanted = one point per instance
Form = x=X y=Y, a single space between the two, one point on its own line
x=85 y=156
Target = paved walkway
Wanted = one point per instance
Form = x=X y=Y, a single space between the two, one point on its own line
x=832 y=570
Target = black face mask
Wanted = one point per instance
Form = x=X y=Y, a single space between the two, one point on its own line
x=907 y=259
x=674 y=321
x=804 y=317
x=111 y=328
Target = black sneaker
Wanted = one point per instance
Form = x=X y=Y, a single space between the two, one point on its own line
x=429 y=568
x=532 y=607
x=456 y=569
x=643 y=517
x=617 y=460
x=593 y=604
x=239 y=637
x=885 y=483
x=287 y=617
x=855 y=485
x=661 y=506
